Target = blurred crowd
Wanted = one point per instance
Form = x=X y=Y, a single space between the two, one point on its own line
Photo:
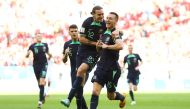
x=159 y=29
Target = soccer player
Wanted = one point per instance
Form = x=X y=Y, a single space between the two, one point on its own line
x=40 y=51
x=108 y=70
x=133 y=61
x=87 y=56
x=70 y=50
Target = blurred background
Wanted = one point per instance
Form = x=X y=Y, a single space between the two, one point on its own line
x=158 y=29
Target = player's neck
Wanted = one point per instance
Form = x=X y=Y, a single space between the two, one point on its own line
x=74 y=40
x=39 y=42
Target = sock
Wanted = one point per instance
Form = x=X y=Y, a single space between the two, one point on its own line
x=131 y=95
x=79 y=97
x=119 y=96
x=74 y=88
x=94 y=102
x=84 y=105
x=41 y=95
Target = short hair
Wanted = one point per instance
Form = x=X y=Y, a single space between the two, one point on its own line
x=73 y=26
x=114 y=13
x=96 y=8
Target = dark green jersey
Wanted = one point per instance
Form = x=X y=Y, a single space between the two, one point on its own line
x=39 y=51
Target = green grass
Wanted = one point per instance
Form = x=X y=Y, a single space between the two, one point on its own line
x=144 y=101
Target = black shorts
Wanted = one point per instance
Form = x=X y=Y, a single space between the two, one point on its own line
x=40 y=70
x=133 y=80
x=108 y=76
x=133 y=77
x=90 y=59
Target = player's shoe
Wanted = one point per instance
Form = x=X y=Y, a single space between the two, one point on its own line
x=66 y=102
x=39 y=105
x=122 y=103
x=133 y=102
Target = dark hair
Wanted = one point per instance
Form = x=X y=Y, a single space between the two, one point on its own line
x=114 y=13
x=73 y=26
x=96 y=8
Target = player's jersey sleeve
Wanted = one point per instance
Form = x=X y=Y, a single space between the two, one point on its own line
x=47 y=48
x=84 y=28
x=31 y=47
x=138 y=57
x=125 y=59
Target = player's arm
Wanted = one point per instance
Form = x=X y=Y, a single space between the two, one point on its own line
x=83 y=34
x=124 y=64
x=118 y=42
x=117 y=33
x=86 y=41
x=140 y=62
x=117 y=46
x=49 y=55
x=99 y=45
x=28 y=53
x=65 y=55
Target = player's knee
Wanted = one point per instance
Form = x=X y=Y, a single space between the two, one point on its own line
x=135 y=88
x=110 y=96
x=81 y=72
x=42 y=82
x=96 y=92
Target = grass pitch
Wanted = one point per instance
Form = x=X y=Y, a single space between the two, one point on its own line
x=144 y=101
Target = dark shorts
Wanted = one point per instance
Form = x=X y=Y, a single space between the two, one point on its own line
x=90 y=59
x=133 y=77
x=133 y=80
x=108 y=76
x=40 y=70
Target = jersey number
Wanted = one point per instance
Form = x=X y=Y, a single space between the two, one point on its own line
x=90 y=34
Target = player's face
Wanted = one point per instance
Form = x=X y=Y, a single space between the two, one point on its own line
x=130 y=49
x=73 y=32
x=38 y=37
x=111 y=21
x=98 y=15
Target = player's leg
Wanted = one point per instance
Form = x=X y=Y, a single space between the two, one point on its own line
x=42 y=82
x=73 y=77
x=39 y=101
x=81 y=73
x=83 y=101
x=77 y=85
x=131 y=93
x=89 y=62
x=37 y=75
x=95 y=95
x=134 y=88
x=111 y=87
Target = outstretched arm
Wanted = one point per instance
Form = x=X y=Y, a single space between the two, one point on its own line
x=84 y=40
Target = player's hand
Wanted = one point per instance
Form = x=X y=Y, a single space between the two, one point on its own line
x=49 y=56
x=115 y=34
x=99 y=44
x=67 y=51
x=137 y=68
x=121 y=33
x=104 y=46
